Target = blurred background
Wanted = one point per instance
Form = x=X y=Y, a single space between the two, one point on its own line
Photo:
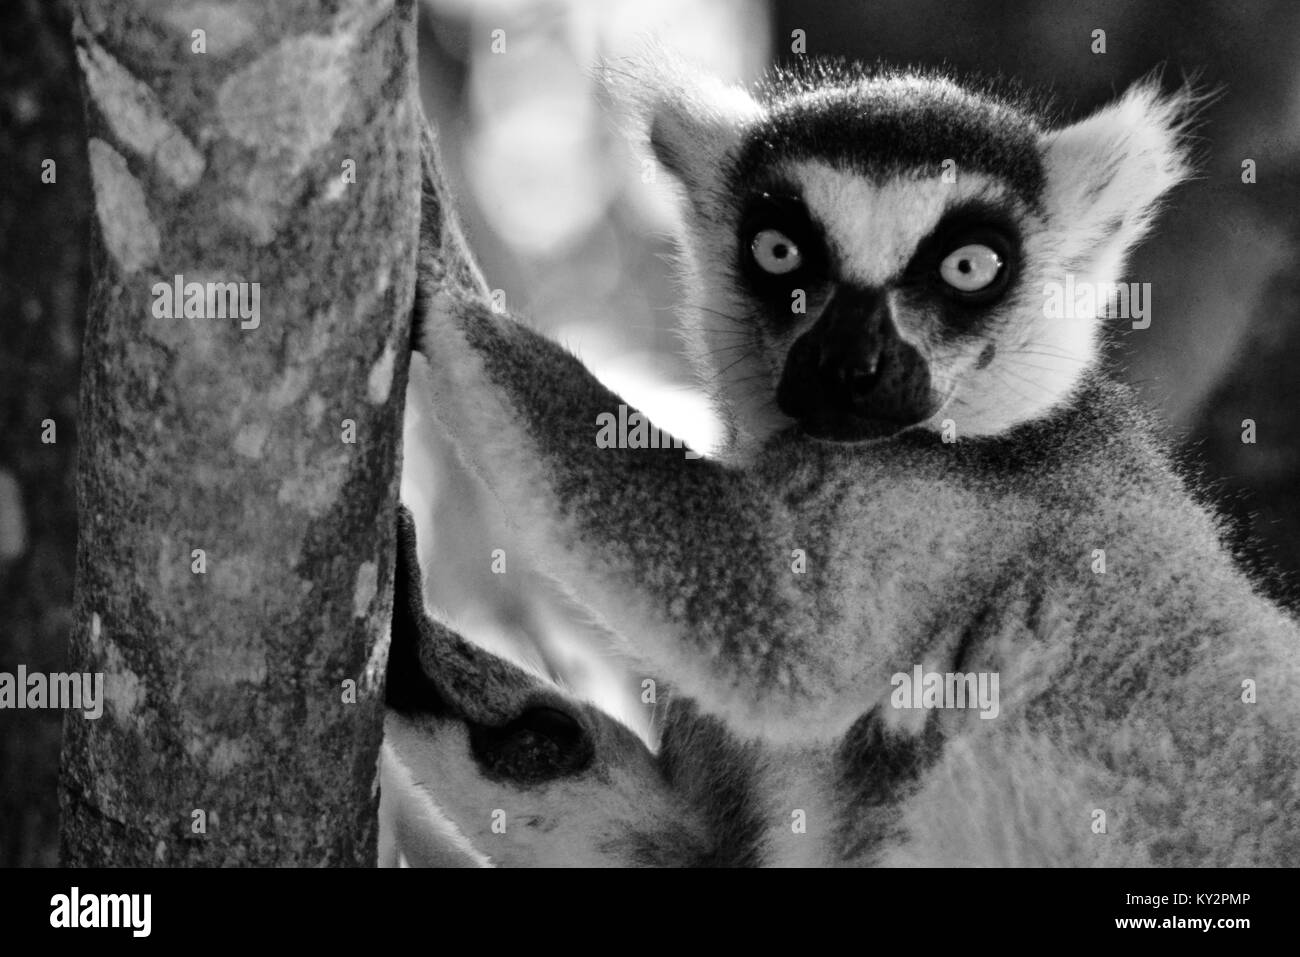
x=563 y=222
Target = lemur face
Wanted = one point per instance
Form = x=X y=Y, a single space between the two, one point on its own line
x=869 y=334
x=864 y=254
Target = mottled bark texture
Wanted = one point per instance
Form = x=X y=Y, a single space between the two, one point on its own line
x=226 y=738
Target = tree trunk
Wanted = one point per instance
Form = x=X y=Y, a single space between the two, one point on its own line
x=238 y=475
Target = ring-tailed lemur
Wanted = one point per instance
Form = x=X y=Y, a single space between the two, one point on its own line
x=1147 y=711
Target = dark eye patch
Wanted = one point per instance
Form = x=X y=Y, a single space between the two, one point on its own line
x=970 y=224
x=785 y=212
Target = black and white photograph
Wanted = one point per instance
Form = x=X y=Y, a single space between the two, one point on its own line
x=650 y=434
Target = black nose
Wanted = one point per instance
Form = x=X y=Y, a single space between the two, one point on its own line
x=854 y=369
x=852 y=376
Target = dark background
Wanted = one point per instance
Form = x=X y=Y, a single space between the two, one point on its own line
x=563 y=226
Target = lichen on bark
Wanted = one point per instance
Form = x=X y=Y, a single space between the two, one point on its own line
x=235 y=552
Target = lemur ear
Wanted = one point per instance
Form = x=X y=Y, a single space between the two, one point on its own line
x=690 y=121
x=1107 y=174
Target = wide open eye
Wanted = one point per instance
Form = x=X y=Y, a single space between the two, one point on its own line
x=775 y=252
x=972 y=268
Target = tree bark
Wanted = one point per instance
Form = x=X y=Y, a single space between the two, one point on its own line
x=235 y=554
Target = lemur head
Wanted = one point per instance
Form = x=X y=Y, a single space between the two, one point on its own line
x=864 y=252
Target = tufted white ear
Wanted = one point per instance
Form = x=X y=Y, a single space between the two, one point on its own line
x=1107 y=174
x=688 y=119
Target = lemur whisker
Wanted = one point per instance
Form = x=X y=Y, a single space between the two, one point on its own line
x=732 y=364
x=700 y=307
x=725 y=349
x=1047 y=352
x=1002 y=373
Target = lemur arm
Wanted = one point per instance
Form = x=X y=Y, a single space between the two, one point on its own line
x=682 y=558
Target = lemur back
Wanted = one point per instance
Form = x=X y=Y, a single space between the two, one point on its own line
x=842 y=540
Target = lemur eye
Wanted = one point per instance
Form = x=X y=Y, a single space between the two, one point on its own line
x=775 y=252
x=970 y=260
x=971 y=268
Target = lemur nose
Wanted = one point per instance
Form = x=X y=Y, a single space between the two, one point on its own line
x=852 y=376
x=852 y=353
x=859 y=373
